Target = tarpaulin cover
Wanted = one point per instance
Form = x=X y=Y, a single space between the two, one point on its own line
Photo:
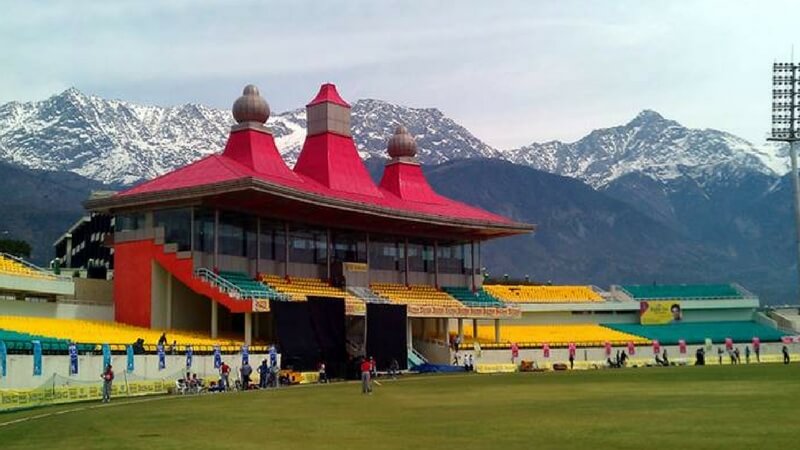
x=386 y=335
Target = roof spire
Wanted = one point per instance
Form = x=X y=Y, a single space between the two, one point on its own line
x=402 y=144
x=250 y=110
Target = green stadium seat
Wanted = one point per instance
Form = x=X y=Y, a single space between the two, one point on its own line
x=478 y=298
x=682 y=291
x=697 y=332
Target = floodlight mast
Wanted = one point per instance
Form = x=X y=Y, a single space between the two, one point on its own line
x=786 y=128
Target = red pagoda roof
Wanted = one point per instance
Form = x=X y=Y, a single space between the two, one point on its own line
x=328 y=171
x=328 y=93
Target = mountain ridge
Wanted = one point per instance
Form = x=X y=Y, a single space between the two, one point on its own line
x=115 y=141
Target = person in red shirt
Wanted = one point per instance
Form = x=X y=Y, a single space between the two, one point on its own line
x=224 y=371
x=366 y=385
x=108 y=378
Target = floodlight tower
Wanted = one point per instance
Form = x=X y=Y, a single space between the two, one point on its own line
x=786 y=125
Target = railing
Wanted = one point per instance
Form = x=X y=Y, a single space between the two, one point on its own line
x=743 y=294
x=61 y=347
x=367 y=295
x=743 y=291
x=34 y=267
x=233 y=290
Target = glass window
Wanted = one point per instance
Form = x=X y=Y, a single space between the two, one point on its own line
x=386 y=254
x=451 y=257
x=415 y=257
x=273 y=240
x=468 y=258
x=233 y=234
x=308 y=245
x=349 y=247
x=177 y=224
x=129 y=221
x=204 y=230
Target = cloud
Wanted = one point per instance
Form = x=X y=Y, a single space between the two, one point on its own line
x=512 y=72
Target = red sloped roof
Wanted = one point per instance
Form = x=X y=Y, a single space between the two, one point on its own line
x=332 y=160
x=328 y=93
x=223 y=167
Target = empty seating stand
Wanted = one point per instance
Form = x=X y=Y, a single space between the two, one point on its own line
x=10 y=265
x=415 y=294
x=62 y=331
x=587 y=335
x=682 y=291
x=249 y=287
x=698 y=332
x=477 y=298
x=300 y=288
x=543 y=294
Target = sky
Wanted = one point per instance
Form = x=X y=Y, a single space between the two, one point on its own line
x=512 y=72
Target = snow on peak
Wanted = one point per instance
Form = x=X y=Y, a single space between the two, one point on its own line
x=660 y=148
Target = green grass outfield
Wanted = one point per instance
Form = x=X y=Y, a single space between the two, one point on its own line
x=730 y=407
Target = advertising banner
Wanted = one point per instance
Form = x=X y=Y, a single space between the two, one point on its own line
x=129 y=354
x=659 y=312
x=73 y=359
x=273 y=354
x=607 y=346
x=631 y=348
x=162 y=359
x=682 y=346
x=37 y=358
x=546 y=350
x=3 y=356
x=245 y=354
x=656 y=347
x=106 y=355
x=217 y=357
x=188 y=356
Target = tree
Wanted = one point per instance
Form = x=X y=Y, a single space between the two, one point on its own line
x=15 y=247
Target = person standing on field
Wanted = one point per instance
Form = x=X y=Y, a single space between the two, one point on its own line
x=366 y=382
x=225 y=371
x=108 y=378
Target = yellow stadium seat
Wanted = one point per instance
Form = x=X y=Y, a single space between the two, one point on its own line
x=11 y=266
x=543 y=294
x=415 y=294
x=300 y=288
x=579 y=334
x=101 y=332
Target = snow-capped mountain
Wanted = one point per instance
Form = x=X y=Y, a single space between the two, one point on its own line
x=654 y=146
x=121 y=142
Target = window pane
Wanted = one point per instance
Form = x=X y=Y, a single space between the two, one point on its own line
x=204 y=230
x=308 y=245
x=129 y=222
x=231 y=234
x=273 y=240
x=177 y=224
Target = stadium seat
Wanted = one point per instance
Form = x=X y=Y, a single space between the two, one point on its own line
x=300 y=288
x=477 y=298
x=10 y=265
x=682 y=291
x=250 y=287
x=543 y=294
x=697 y=332
x=556 y=335
x=415 y=294
x=97 y=332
